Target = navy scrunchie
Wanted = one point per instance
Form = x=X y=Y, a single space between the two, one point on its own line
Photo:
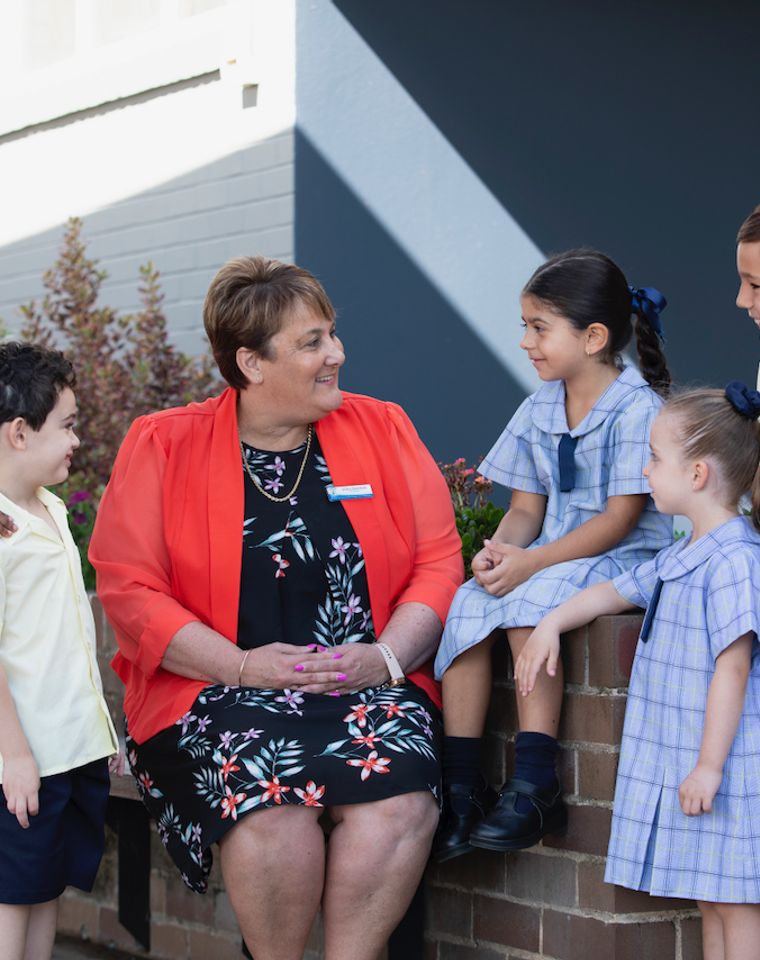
x=649 y=303
x=746 y=402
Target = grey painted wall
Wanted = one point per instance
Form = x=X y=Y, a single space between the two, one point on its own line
x=632 y=129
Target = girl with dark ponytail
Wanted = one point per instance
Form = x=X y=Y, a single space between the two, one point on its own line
x=580 y=513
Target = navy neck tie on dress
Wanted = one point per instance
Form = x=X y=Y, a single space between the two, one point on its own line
x=566 y=454
x=649 y=615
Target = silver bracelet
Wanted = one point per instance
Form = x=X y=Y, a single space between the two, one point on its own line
x=391 y=662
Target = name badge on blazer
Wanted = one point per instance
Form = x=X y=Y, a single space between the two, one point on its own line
x=356 y=491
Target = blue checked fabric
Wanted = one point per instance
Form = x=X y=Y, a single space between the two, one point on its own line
x=710 y=597
x=611 y=452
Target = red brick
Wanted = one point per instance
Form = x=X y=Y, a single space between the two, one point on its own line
x=184 y=903
x=168 y=940
x=566 y=766
x=588 y=831
x=574 y=656
x=596 y=774
x=636 y=940
x=224 y=915
x=157 y=893
x=78 y=916
x=542 y=879
x=113 y=934
x=449 y=911
x=592 y=717
x=458 y=951
x=611 y=646
x=569 y=937
x=214 y=946
x=482 y=870
x=501 y=921
x=595 y=894
x=691 y=939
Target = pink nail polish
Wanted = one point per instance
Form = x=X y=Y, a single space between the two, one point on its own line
x=312 y=646
x=337 y=656
x=340 y=676
x=298 y=668
x=333 y=693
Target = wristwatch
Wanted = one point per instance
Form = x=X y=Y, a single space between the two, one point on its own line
x=394 y=667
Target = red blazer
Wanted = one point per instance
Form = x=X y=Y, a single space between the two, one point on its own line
x=167 y=541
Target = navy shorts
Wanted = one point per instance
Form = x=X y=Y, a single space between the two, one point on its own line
x=64 y=842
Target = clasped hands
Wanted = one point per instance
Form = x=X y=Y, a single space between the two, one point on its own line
x=500 y=567
x=312 y=669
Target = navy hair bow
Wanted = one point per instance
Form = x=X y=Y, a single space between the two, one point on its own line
x=649 y=303
x=745 y=401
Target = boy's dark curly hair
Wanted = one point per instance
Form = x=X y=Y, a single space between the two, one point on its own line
x=32 y=378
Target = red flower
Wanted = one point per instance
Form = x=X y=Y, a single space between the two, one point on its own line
x=311 y=795
x=272 y=789
x=368 y=740
x=371 y=764
x=393 y=710
x=360 y=714
x=230 y=802
x=227 y=766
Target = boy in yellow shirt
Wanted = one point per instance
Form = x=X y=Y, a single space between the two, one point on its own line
x=55 y=730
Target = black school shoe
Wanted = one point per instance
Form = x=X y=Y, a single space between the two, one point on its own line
x=507 y=829
x=463 y=807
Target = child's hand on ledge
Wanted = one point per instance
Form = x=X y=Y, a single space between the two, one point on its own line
x=541 y=648
x=698 y=790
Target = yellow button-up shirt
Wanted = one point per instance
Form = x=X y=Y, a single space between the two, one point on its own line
x=47 y=642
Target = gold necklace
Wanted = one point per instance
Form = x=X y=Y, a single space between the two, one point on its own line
x=257 y=483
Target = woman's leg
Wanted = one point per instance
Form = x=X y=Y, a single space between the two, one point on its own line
x=40 y=933
x=14 y=921
x=375 y=859
x=712 y=932
x=741 y=930
x=273 y=864
x=540 y=710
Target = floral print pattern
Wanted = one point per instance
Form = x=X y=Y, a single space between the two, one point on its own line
x=239 y=749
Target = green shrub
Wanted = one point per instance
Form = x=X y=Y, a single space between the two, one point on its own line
x=476 y=516
x=125 y=367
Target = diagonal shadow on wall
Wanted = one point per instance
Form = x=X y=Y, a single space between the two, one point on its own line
x=627 y=127
x=405 y=342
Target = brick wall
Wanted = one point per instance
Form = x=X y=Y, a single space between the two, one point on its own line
x=548 y=902
x=551 y=901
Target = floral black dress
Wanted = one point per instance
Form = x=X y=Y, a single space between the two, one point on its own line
x=239 y=749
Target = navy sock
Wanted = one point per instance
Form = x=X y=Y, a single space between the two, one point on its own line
x=461 y=760
x=536 y=762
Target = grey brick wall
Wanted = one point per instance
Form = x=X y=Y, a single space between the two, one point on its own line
x=188 y=226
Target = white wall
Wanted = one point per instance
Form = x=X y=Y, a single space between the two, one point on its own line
x=170 y=131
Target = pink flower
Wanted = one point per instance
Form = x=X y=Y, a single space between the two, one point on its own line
x=352 y=607
x=79 y=497
x=282 y=564
x=339 y=549
x=368 y=740
x=371 y=764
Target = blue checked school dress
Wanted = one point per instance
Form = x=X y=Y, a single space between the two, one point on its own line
x=709 y=596
x=577 y=471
